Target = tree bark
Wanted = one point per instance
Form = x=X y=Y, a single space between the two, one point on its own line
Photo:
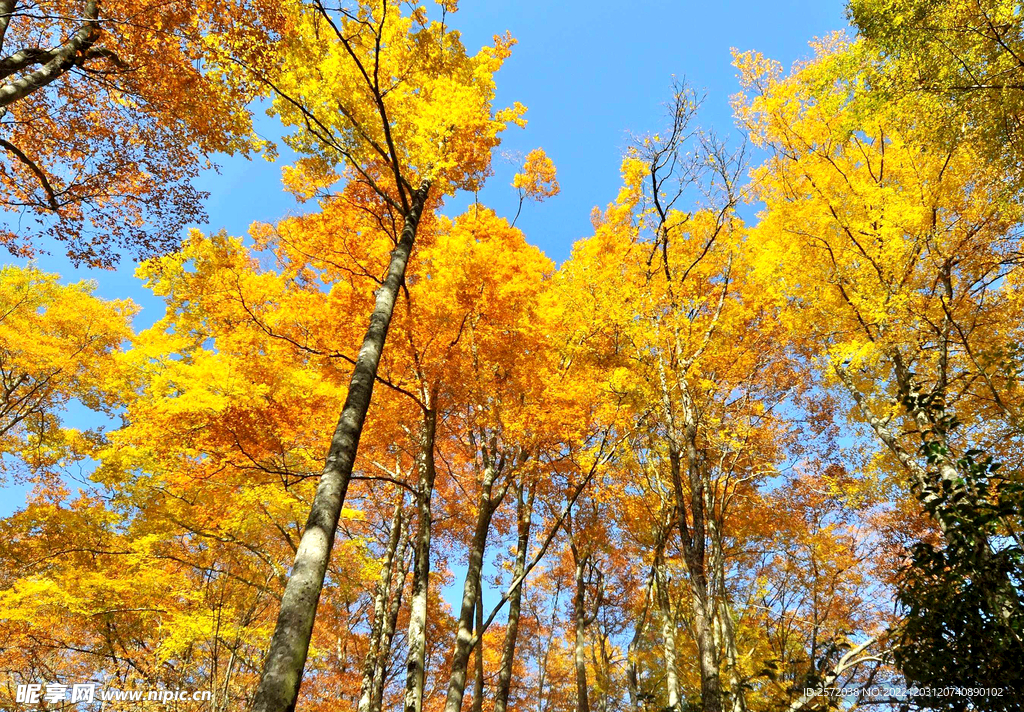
x=379 y=603
x=710 y=680
x=57 y=61
x=695 y=559
x=602 y=665
x=478 y=683
x=388 y=636
x=682 y=448
x=579 y=640
x=1005 y=599
x=723 y=619
x=543 y=663
x=668 y=637
x=650 y=588
x=515 y=603
x=632 y=676
x=286 y=657
x=737 y=696
x=6 y=12
x=470 y=592
x=417 y=638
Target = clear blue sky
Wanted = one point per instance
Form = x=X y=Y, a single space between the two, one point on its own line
x=590 y=73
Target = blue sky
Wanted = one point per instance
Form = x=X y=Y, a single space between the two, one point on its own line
x=590 y=74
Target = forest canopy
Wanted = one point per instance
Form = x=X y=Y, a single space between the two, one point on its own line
x=755 y=446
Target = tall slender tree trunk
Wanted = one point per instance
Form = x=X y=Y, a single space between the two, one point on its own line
x=602 y=666
x=579 y=640
x=726 y=638
x=694 y=556
x=650 y=596
x=417 y=638
x=737 y=697
x=668 y=637
x=632 y=675
x=710 y=676
x=286 y=657
x=515 y=604
x=388 y=636
x=470 y=592
x=683 y=449
x=543 y=663
x=379 y=604
x=478 y=683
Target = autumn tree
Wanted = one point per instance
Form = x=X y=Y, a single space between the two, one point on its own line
x=536 y=180
x=663 y=277
x=963 y=60
x=623 y=483
x=73 y=340
x=87 y=587
x=457 y=365
x=394 y=103
x=905 y=252
x=109 y=110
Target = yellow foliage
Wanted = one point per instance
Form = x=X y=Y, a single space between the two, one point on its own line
x=537 y=179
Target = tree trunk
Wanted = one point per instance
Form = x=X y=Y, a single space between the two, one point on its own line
x=470 y=592
x=6 y=12
x=416 y=660
x=59 y=59
x=710 y=680
x=286 y=658
x=579 y=652
x=388 y=635
x=543 y=663
x=478 y=683
x=723 y=619
x=602 y=666
x=737 y=697
x=694 y=538
x=1004 y=599
x=668 y=637
x=694 y=557
x=515 y=603
x=379 y=603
